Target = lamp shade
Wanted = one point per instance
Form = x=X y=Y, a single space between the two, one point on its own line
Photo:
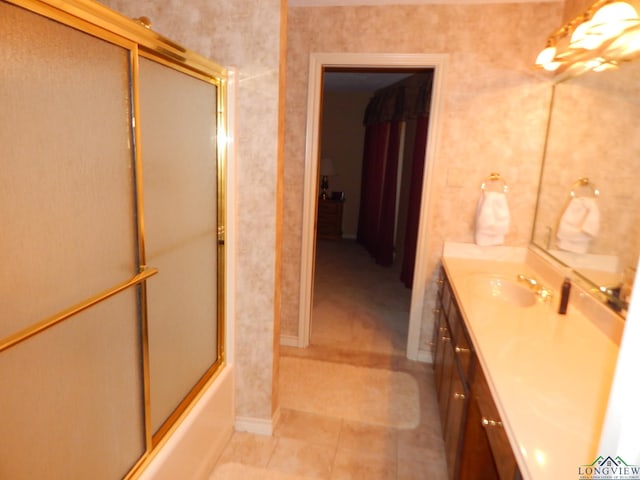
x=327 y=168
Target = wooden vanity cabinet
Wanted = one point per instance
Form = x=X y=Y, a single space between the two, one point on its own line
x=452 y=364
x=476 y=445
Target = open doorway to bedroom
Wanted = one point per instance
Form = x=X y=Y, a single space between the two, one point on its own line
x=402 y=64
x=373 y=134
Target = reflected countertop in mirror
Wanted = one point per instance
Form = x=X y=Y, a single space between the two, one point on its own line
x=593 y=143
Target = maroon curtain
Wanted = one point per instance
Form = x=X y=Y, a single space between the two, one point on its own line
x=376 y=219
x=373 y=175
x=384 y=117
x=415 y=196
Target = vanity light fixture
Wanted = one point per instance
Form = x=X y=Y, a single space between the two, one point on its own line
x=604 y=36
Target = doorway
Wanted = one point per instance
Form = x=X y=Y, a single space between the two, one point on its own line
x=371 y=166
x=318 y=63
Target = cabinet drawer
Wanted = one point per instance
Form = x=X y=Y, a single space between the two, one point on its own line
x=330 y=209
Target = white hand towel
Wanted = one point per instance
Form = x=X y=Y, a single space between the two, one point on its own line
x=492 y=218
x=579 y=224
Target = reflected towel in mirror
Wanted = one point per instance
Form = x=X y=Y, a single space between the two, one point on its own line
x=579 y=224
x=492 y=218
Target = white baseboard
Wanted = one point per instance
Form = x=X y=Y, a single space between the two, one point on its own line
x=289 y=340
x=259 y=426
x=425 y=356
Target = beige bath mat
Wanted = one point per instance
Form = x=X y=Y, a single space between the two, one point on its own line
x=359 y=394
x=236 y=471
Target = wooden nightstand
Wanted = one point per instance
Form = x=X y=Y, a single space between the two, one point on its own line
x=330 y=219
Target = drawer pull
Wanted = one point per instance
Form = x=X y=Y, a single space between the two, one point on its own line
x=490 y=423
x=462 y=350
x=445 y=339
x=436 y=311
x=440 y=282
x=458 y=396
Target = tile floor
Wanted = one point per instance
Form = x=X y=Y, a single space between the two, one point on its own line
x=370 y=331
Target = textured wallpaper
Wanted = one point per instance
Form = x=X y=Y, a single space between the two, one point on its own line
x=494 y=114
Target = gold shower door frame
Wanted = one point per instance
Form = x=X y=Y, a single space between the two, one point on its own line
x=103 y=23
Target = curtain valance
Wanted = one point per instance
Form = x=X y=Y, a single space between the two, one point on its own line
x=400 y=102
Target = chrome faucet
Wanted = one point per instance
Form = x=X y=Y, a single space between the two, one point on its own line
x=612 y=297
x=545 y=293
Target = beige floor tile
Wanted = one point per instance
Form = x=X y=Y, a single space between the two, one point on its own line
x=372 y=439
x=359 y=465
x=428 y=469
x=302 y=458
x=308 y=427
x=237 y=471
x=248 y=449
x=422 y=459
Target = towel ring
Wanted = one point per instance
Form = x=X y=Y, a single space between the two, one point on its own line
x=495 y=177
x=584 y=182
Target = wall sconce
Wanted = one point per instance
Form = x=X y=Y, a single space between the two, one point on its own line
x=327 y=168
x=607 y=34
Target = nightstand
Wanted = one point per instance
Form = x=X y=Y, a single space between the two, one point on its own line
x=330 y=219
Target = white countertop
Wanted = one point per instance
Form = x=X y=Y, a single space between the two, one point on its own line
x=549 y=374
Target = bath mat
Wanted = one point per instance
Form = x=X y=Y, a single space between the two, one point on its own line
x=359 y=394
x=235 y=471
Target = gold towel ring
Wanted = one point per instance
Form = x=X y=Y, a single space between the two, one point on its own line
x=584 y=182
x=495 y=177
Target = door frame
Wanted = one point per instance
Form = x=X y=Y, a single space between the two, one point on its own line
x=317 y=62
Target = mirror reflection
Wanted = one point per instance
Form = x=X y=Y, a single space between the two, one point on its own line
x=587 y=215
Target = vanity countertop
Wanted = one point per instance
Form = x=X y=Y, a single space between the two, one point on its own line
x=550 y=374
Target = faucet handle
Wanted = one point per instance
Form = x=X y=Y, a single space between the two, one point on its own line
x=545 y=293
x=530 y=280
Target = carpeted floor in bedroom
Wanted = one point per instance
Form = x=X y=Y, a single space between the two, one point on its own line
x=352 y=405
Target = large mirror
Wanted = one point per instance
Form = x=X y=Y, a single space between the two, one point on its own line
x=588 y=215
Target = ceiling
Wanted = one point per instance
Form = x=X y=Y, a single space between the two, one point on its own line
x=346 y=3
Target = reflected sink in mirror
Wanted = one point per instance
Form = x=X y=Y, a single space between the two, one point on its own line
x=502 y=288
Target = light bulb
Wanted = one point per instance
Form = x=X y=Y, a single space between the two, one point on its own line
x=612 y=19
x=585 y=37
x=546 y=56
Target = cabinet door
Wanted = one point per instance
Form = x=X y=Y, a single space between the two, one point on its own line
x=491 y=422
x=476 y=462
x=487 y=454
x=438 y=322
x=446 y=358
x=439 y=329
x=456 y=413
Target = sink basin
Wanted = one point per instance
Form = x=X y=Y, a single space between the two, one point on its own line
x=503 y=289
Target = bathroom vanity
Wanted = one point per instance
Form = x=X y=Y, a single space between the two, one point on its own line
x=474 y=438
x=522 y=390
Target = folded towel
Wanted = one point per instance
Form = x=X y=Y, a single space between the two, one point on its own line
x=492 y=218
x=579 y=225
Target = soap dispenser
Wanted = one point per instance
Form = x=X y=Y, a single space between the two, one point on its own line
x=564 y=296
